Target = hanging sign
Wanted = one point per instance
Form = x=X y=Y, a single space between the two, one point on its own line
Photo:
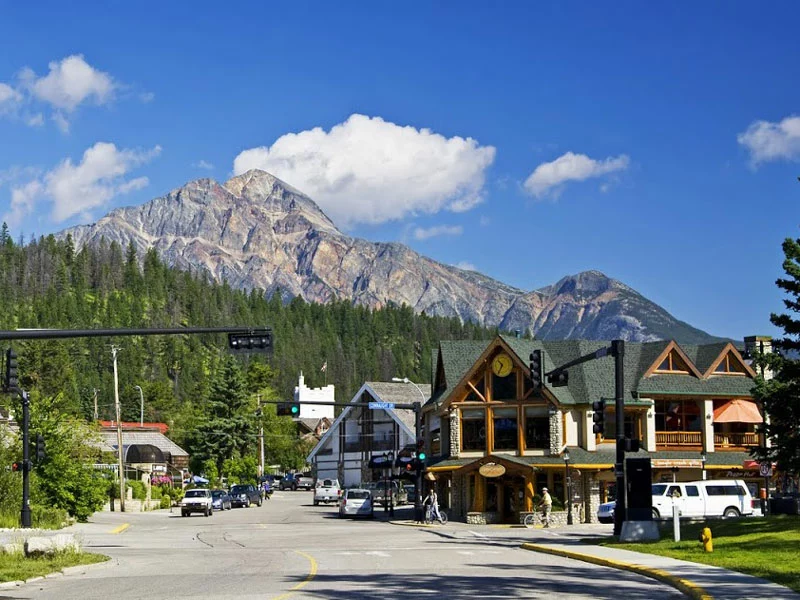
x=492 y=470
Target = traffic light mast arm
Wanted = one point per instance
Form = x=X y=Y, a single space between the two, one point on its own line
x=608 y=350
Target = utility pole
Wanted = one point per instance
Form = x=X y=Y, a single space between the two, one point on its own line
x=26 y=460
x=418 y=516
x=260 y=439
x=96 y=414
x=114 y=350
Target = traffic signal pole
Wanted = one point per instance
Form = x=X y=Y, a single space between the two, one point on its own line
x=620 y=511
x=26 y=459
x=418 y=479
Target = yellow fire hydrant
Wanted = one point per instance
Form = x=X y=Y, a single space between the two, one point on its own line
x=705 y=537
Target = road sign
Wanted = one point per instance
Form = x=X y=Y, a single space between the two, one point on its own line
x=374 y=405
x=765 y=470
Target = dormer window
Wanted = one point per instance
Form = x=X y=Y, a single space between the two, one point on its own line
x=729 y=365
x=672 y=363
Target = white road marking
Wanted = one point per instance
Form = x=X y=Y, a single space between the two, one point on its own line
x=480 y=535
x=378 y=553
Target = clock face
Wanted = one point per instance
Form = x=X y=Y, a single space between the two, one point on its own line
x=502 y=365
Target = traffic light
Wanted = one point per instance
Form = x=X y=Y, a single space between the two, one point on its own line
x=260 y=341
x=288 y=409
x=41 y=453
x=15 y=466
x=421 y=455
x=558 y=378
x=599 y=416
x=536 y=369
x=12 y=377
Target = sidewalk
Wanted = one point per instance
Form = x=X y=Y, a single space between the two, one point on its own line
x=694 y=579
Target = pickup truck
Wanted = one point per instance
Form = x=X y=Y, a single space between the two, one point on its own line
x=380 y=491
x=327 y=490
x=295 y=481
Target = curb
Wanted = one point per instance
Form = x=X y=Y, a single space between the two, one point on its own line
x=77 y=569
x=690 y=589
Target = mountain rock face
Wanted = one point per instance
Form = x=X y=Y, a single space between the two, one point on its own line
x=256 y=231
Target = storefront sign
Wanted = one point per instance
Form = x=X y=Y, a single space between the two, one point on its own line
x=681 y=463
x=492 y=470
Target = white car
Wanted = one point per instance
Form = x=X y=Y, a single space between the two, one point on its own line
x=198 y=500
x=356 y=502
x=327 y=490
x=605 y=512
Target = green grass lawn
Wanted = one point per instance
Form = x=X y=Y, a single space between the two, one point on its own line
x=764 y=547
x=15 y=567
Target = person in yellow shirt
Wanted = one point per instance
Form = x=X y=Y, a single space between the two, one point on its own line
x=546 y=505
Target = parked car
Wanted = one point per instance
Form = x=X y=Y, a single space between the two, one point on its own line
x=695 y=499
x=296 y=481
x=327 y=490
x=245 y=495
x=411 y=493
x=196 y=500
x=220 y=500
x=380 y=490
x=356 y=502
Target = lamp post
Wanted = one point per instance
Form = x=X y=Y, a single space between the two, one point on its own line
x=565 y=456
x=703 y=458
x=141 y=405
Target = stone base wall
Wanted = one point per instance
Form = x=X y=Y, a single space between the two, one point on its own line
x=135 y=505
x=557 y=518
x=482 y=518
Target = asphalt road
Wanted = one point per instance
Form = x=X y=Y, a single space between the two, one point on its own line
x=289 y=548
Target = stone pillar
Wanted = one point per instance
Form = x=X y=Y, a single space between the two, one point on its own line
x=707 y=419
x=455 y=434
x=591 y=497
x=555 y=432
x=649 y=437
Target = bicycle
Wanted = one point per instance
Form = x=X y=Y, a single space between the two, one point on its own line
x=429 y=519
x=532 y=517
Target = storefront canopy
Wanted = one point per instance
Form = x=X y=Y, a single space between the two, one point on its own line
x=738 y=411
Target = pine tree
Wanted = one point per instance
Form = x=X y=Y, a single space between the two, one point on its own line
x=780 y=395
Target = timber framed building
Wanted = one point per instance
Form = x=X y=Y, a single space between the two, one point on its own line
x=690 y=406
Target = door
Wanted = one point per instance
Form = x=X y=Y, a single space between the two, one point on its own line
x=693 y=502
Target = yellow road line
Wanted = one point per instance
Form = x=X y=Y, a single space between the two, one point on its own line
x=121 y=528
x=311 y=574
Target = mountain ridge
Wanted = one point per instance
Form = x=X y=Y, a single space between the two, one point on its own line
x=256 y=231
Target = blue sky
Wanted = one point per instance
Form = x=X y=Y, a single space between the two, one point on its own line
x=656 y=143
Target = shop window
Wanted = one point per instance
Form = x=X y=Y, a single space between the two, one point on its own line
x=505 y=428
x=541 y=482
x=537 y=427
x=558 y=486
x=473 y=429
x=436 y=442
x=504 y=388
x=677 y=416
x=632 y=428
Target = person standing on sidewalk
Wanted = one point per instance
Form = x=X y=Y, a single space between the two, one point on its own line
x=546 y=505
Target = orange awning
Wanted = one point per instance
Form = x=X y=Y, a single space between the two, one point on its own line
x=738 y=411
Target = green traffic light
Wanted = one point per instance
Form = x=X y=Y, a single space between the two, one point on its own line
x=295 y=409
x=422 y=456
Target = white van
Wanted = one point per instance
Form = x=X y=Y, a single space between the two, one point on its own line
x=698 y=499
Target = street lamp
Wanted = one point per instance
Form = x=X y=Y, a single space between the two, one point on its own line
x=407 y=380
x=141 y=405
x=703 y=458
x=565 y=456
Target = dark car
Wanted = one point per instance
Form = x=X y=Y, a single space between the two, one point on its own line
x=220 y=500
x=411 y=493
x=245 y=495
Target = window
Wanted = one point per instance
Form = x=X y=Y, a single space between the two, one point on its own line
x=473 y=429
x=677 y=416
x=673 y=363
x=729 y=365
x=692 y=491
x=505 y=428
x=725 y=490
x=479 y=385
x=632 y=429
x=537 y=427
x=504 y=388
x=674 y=491
x=436 y=442
x=558 y=485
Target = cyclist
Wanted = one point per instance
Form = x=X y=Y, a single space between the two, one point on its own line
x=432 y=502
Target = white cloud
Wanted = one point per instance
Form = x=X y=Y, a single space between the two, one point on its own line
x=78 y=188
x=369 y=170
x=768 y=141
x=203 y=164
x=69 y=83
x=146 y=97
x=61 y=122
x=424 y=234
x=467 y=266
x=36 y=120
x=551 y=176
x=9 y=98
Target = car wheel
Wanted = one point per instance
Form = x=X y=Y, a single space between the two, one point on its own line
x=184 y=513
x=260 y=502
x=656 y=515
x=731 y=513
x=316 y=502
x=294 y=488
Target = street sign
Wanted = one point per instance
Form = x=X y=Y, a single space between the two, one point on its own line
x=765 y=469
x=374 y=405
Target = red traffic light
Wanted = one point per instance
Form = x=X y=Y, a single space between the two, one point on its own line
x=15 y=466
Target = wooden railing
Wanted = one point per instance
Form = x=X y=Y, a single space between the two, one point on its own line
x=739 y=440
x=679 y=438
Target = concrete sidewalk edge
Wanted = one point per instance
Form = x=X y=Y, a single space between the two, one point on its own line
x=689 y=588
x=77 y=569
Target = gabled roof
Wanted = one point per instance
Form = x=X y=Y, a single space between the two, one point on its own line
x=131 y=438
x=397 y=393
x=594 y=379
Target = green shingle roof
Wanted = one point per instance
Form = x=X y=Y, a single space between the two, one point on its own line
x=594 y=379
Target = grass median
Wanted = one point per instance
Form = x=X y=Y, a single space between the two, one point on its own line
x=18 y=567
x=764 y=547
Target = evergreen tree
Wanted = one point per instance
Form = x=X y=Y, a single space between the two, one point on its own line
x=780 y=395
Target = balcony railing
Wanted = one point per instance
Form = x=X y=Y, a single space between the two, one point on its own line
x=679 y=438
x=736 y=440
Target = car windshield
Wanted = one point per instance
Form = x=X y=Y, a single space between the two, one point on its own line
x=357 y=495
x=196 y=494
x=659 y=489
x=217 y=494
x=238 y=489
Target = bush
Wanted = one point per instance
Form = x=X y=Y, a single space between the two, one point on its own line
x=48 y=517
x=139 y=489
x=155 y=492
x=166 y=502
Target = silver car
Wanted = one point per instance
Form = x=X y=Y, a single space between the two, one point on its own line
x=356 y=502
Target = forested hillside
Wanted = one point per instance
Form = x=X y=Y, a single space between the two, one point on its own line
x=47 y=284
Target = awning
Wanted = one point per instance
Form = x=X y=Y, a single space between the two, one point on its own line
x=738 y=411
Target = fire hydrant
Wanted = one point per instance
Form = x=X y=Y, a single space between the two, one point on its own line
x=705 y=537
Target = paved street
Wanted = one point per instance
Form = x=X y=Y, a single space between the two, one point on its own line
x=291 y=549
